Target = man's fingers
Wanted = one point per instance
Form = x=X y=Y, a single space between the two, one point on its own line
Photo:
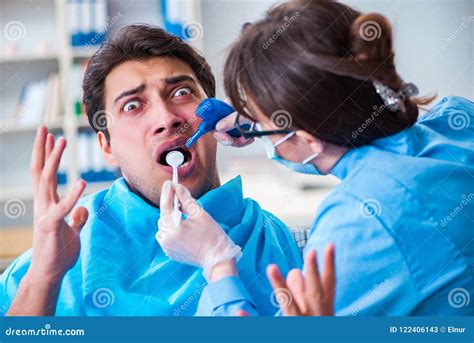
x=313 y=283
x=275 y=277
x=79 y=217
x=49 y=146
x=329 y=278
x=281 y=291
x=48 y=150
x=52 y=164
x=37 y=156
x=65 y=206
x=296 y=285
x=242 y=313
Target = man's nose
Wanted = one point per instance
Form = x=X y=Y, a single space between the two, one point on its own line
x=167 y=123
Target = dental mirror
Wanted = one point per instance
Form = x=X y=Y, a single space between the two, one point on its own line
x=175 y=159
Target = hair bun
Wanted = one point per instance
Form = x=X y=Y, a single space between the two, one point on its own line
x=371 y=37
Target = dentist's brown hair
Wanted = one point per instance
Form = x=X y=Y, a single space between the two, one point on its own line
x=316 y=60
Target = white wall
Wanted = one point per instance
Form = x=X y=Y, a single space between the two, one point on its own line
x=433 y=47
x=434 y=42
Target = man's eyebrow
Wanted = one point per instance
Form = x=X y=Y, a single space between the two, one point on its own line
x=176 y=79
x=168 y=81
x=135 y=90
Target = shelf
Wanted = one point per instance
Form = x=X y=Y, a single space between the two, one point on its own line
x=83 y=123
x=4 y=263
x=7 y=127
x=26 y=193
x=30 y=61
x=95 y=187
x=29 y=57
x=21 y=193
x=14 y=240
x=83 y=52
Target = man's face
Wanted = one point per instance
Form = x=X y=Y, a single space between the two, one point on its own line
x=152 y=107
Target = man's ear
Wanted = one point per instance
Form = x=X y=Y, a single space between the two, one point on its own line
x=106 y=149
x=315 y=144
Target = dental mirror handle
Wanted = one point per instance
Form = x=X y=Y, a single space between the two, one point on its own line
x=176 y=212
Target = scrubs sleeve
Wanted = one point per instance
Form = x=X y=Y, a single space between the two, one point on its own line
x=10 y=281
x=372 y=274
x=224 y=298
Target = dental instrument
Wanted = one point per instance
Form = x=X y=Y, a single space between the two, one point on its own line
x=211 y=111
x=175 y=159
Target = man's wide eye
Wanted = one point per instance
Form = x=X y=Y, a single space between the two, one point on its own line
x=131 y=105
x=182 y=91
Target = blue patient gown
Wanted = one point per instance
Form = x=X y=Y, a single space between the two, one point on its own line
x=401 y=220
x=122 y=270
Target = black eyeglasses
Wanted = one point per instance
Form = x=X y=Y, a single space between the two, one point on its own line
x=249 y=131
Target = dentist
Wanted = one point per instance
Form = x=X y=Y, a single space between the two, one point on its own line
x=318 y=80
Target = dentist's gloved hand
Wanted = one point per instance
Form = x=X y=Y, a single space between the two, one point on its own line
x=198 y=240
x=227 y=124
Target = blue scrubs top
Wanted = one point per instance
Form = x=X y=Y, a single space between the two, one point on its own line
x=122 y=271
x=402 y=221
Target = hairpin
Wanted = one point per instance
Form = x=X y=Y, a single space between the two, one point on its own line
x=395 y=101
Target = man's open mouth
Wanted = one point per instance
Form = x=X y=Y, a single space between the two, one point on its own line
x=182 y=149
x=178 y=144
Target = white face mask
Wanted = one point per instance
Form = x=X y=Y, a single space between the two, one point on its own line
x=304 y=167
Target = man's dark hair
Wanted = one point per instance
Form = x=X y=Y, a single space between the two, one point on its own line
x=136 y=42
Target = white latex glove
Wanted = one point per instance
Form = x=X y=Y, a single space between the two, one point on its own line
x=198 y=240
x=227 y=124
